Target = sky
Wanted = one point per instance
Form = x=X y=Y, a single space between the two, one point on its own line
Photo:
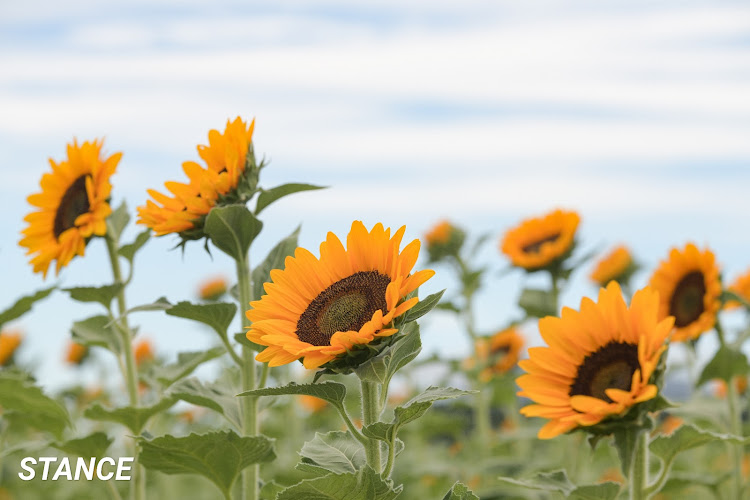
x=636 y=114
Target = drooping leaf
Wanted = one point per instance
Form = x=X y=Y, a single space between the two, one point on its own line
x=274 y=260
x=366 y=484
x=333 y=392
x=626 y=439
x=382 y=367
x=726 y=364
x=686 y=437
x=424 y=306
x=232 y=228
x=270 y=490
x=335 y=451
x=117 y=221
x=21 y=396
x=97 y=331
x=134 y=419
x=186 y=363
x=217 y=315
x=268 y=196
x=93 y=445
x=160 y=304
x=101 y=294
x=23 y=305
x=217 y=456
x=537 y=303
x=545 y=481
x=128 y=251
x=460 y=491
x=209 y=395
x=601 y=491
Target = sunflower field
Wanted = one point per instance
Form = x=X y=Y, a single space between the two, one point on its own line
x=323 y=393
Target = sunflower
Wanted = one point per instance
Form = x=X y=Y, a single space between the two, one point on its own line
x=77 y=353
x=499 y=353
x=9 y=342
x=143 y=352
x=213 y=288
x=318 y=309
x=689 y=289
x=72 y=207
x=599 y=363
x=617 y=265
x=740 y=286
x=226 y=157
x=543 y=241
x=444 y=240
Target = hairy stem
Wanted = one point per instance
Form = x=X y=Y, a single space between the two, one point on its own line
x=639 y=468
x=370 y=415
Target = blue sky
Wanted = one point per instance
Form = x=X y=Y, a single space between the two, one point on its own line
x=636 y=114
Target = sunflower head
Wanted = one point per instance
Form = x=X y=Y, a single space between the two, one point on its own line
x=338 y=310
x=740 y=286
x=213 y=288
x=77 y=353
x=229 y=176
x=601 y=363
x=689 y=288
x=541 y=242
x=9 y=342
x=444 y=240
x=72 y=207
x=617 y=265
x=143 y=352
x=498 y=354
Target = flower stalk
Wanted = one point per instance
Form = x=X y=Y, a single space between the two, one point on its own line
x=370 y=415
x=639 y=468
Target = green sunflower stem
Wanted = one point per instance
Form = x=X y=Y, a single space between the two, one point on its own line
x=138 y=490
x=555 y=290
x=370 y=415
x=482 y=424
x=639 y=468
x=251 y=474
x=735 y=422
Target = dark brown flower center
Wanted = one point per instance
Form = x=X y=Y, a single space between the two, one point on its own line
x=346 y=305
x=74 y=202
x=686 y=304
x=536 y=246
x=611 y=367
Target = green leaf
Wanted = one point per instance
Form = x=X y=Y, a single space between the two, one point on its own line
x=725 y=365
x=537 y=303
x=266 y=197
x=460 y=491
x=270 y=490
x=730 y=296
x=545 y=481
x=160 y=304
x=213 y=396
x=242 y=339
x=97 y=331
x=134 y=419
x=366 y=484
x=382 y=367
x=333 y=392
x=93 y=445
x=232 y=228
x=23 y=305
x=101 y=294
x=117 y=221
x=336 y=452
x=21 y=396
x=274 y=260
x=218 y=315
x=601 y=491
x=217 y=456
x=626 y=439
x=186 y=363
x=687 y=437
x=128 y=251
x=424 y=306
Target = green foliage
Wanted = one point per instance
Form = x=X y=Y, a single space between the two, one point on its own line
x=23 y=305
x=97 y=331
x=242 y=339
x=128 y=251
x=274 y=260
x=626 y=439
x=336 y=452
x=218 y=315
x=268 y=196
x=365 y=484
x=160 y=304
x=270 y=490
x=20 y=396
x=424 y=306
x=333 y=392
x=186 y=363
x=134 y=419
x=557 y=481
x=232 y=229
x=218 y=456
x=537 y=303
x=101 y=294
x=213 y=396
x=688 y=437
x=725 y=365
x=460 y=491
x=117 y=221
x=381 y=368
x=93 y=445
